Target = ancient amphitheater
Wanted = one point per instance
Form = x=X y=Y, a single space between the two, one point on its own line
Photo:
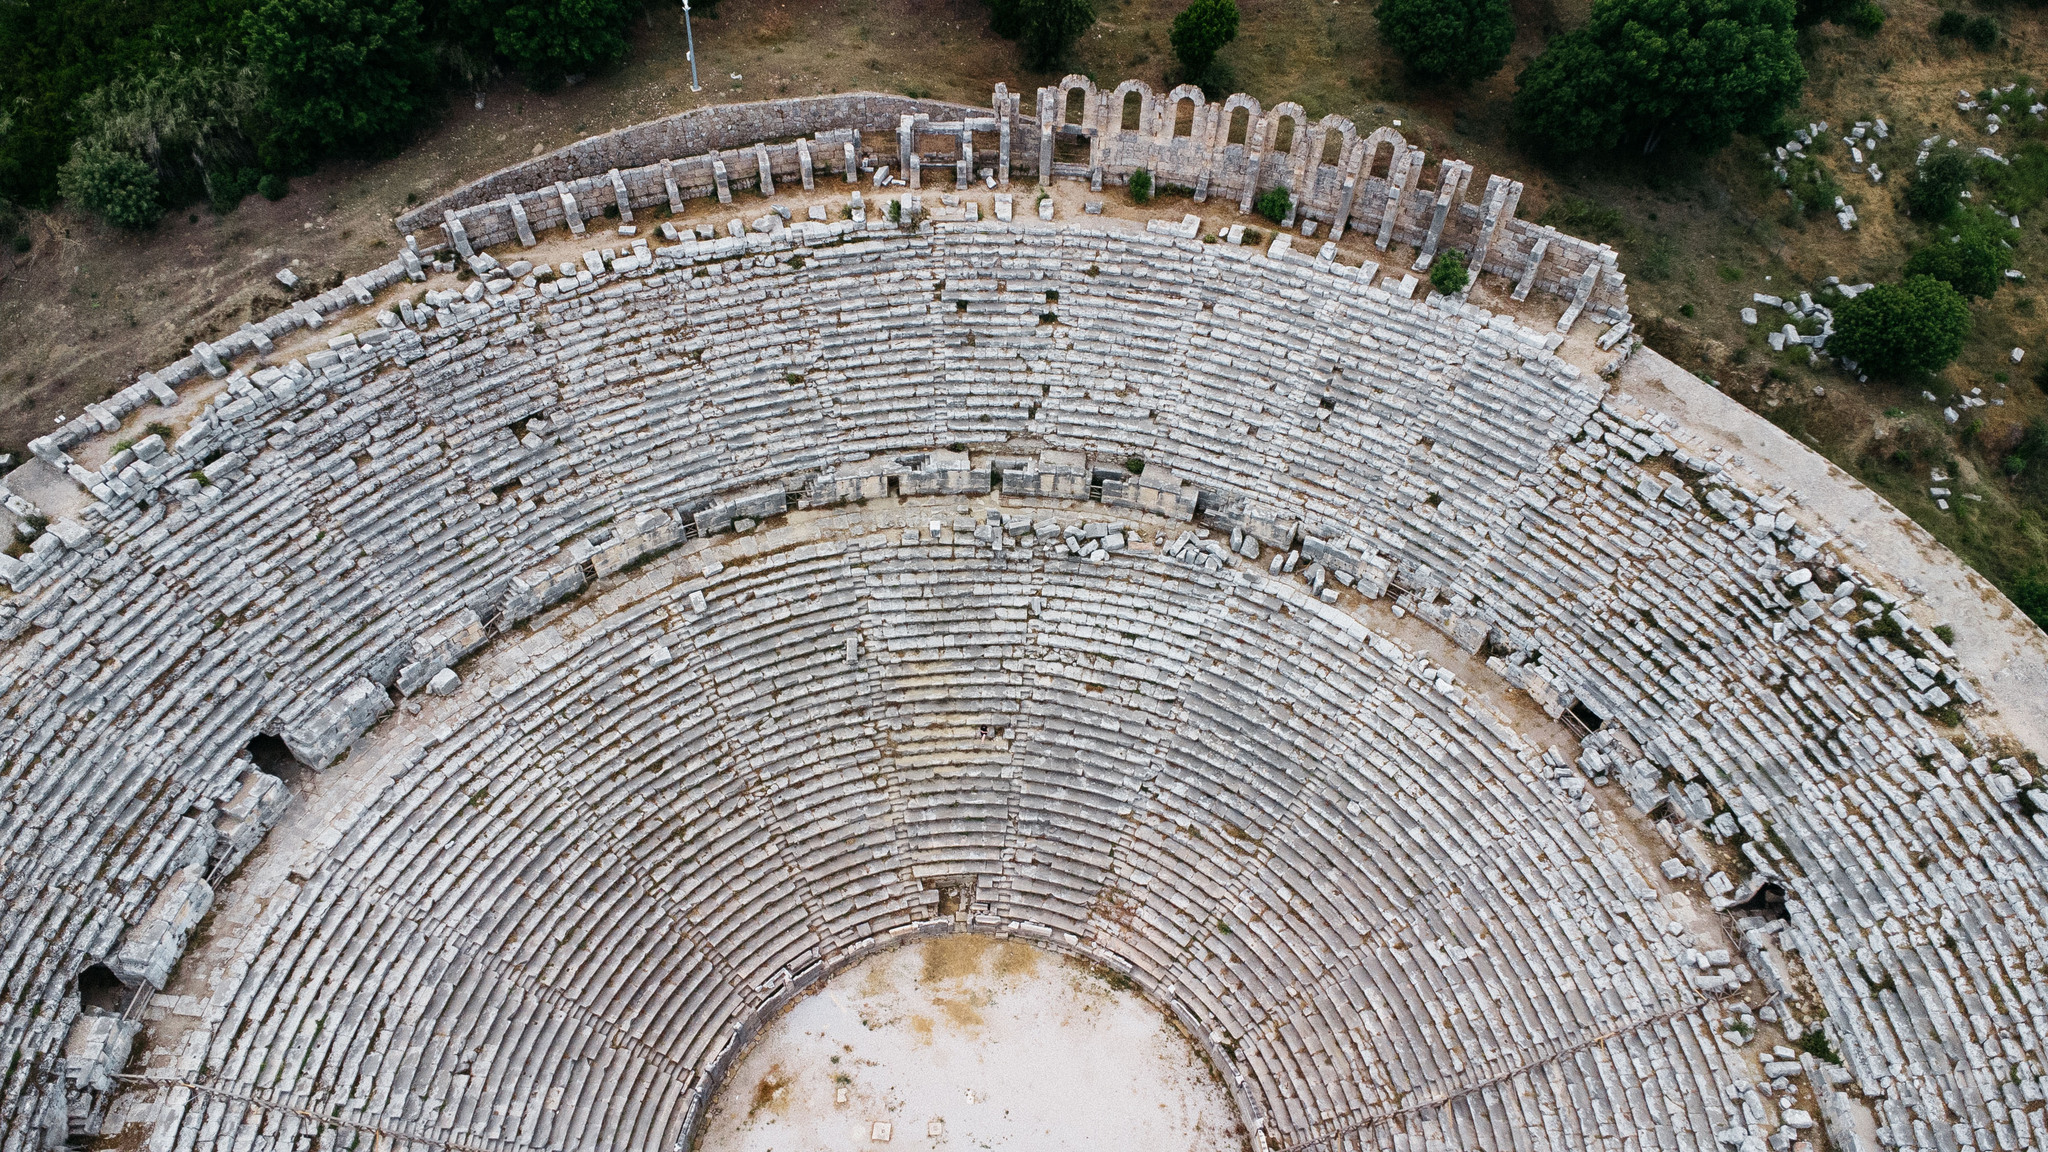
x=1472 y=734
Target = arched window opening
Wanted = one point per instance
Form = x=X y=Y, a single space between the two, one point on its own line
x=1077 y=105
x=1333 y=147
x=1283 y=140
x=1240 y=125
x=1134 y=111
x=1184 y=118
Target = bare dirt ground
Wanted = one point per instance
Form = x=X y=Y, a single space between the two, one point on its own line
x=971 y=1042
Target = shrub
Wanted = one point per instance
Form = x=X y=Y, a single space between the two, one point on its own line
x=273 y=186
x=1689 y=73
x=1971 y=265
x=1951 y=23
x=1812 y=186
x=1866 y=18
x=1141 y=186
x=117 y=186
x=1447 y=273
x=1897 y=329
x=1938 y=187
x=22 y=242
x=1044 y=28
x=1274 y=203
x=1982 y=33
x=1200 y=31
x=1450 y=41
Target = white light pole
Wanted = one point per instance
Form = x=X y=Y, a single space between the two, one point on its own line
x=692 y=53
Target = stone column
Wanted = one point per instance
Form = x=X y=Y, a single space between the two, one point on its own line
x=1254 y=143
x=519 y=222
x=1003 y=111
x=719 y=177
x=1400 y=172
x=1502 y=194
x=457 y=235
x=1528 y=279
x=916 y=173
x=1449 y=176
x=803 y=162
x=1044 y=152
x=767 y=172
x=906 y=142
x=619 y=194
x=570 y=212
x=675 y=194
x=963 y=168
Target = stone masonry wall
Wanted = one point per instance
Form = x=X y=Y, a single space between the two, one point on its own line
x=1234 y=150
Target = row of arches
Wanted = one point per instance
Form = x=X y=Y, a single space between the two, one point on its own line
x=1134 y=109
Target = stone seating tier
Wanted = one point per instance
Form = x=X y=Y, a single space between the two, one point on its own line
x=646 y=816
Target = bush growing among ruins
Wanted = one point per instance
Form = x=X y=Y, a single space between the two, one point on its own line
x=1899 y=329
x=1937 y=189
x=1274 y=203
x=1141 y=186
x=1971 y=264
x=117 y=186
x=1045 y=29
x=1448 y=41
x=1200 y=31
x=1688 y=73
x=1448 y=274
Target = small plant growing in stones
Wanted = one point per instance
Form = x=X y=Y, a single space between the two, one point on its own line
x=159 y=428
x=1448 y=274
x=1274 y=204
x=1141 y=186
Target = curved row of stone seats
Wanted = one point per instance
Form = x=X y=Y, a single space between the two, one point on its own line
x=760 y=589
x=1854 y=873
x=378 y=513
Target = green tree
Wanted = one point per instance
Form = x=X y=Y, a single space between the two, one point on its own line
x=116 y=185
x=1971 y=264
x=549 y=40
x=1045 y=28
x=342 y=75
x=1937 y=189
x=1141 y=186
x=1200 y=31
x=1449 y=41
x=1274 y=203
x=1898 y=329
x=1448 y=274
x=1689 y=73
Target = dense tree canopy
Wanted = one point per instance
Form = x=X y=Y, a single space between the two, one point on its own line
x=1898 y=329
x=1971 y=263
x=1201 y=31
x=549 y=40
x=1685 y=73
x=213 y=95
x=343 y=75
x=1454 y=41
